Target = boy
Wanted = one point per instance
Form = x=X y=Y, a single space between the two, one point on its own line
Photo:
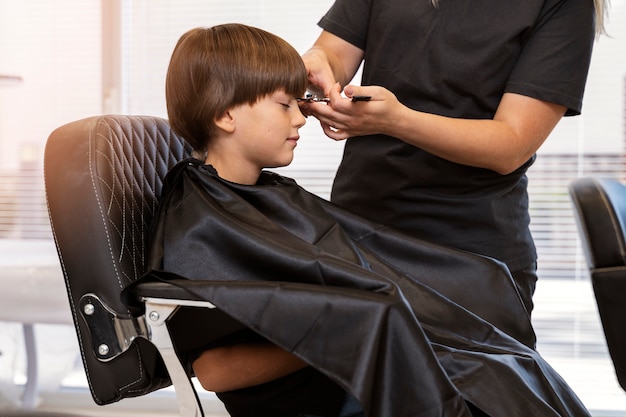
x=231 y=93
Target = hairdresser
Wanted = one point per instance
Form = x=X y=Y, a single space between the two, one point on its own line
x=463 y=94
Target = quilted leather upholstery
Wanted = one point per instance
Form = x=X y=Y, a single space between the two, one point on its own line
x=103 y=176
x=600 y=208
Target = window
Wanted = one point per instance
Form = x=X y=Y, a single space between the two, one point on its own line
x=50 y=60
x=70 y=59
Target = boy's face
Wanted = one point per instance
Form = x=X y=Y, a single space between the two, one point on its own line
x=267 y=131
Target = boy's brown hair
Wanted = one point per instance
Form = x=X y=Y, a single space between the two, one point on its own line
x=213 y=69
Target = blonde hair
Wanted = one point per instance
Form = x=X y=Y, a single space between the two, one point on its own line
x=602 y=13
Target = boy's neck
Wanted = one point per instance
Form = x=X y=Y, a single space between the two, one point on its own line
x=233 y=173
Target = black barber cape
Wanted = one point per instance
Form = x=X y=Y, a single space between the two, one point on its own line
x=411 y=329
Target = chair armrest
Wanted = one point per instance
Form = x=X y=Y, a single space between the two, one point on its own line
x=181 y=296
x=175 y=289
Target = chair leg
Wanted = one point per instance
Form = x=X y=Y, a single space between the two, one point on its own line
x=186 y=395
x=31 y=388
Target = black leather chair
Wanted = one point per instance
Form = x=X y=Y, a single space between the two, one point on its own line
x=600 y=209
x=103 y=176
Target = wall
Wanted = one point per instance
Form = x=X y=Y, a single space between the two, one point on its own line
x=55 y=47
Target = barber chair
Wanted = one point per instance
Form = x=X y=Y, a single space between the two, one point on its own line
x=103 y=176
x=600 y=210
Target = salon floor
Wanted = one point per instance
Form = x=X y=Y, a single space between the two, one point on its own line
x=76 y=402
x=565 y=318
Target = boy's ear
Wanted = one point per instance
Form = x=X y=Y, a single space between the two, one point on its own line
x=226 y=122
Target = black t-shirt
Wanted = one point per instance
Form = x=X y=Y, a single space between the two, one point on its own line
x=457 y=60
x=306 y=391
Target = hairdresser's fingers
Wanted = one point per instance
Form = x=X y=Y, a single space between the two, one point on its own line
x=305 y=108
x=319 y=72
x=352 y=91
x=334 y=133
x=335 y=95
x=319 y=110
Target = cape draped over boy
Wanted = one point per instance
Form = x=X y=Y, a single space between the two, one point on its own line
x=372 y=309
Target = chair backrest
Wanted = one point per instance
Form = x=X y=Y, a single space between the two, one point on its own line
x=600 y=209
x=103 y=176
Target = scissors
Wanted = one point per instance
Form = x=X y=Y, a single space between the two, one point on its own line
x=310 y=98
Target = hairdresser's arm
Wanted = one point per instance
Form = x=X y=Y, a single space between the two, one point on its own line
x=520 y=126
x=243 y=365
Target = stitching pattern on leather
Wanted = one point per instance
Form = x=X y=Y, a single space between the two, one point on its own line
x=132 y=155
x=137 y=153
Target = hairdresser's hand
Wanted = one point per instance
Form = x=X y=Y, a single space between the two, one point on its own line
x=343 y=118
x=330 y=60
x=320 y=75
x=319 y=71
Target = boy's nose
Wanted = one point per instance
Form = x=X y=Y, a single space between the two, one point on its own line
x=300 y=120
